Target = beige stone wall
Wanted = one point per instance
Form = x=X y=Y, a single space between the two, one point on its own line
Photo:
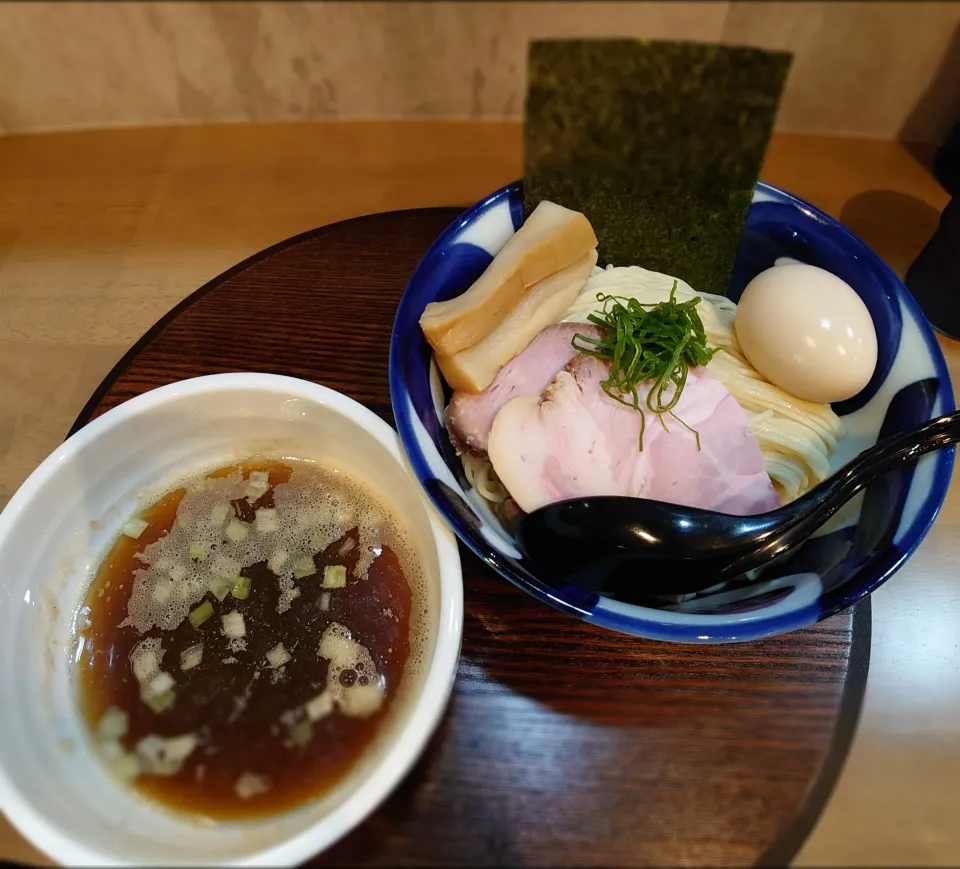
x=867 y=69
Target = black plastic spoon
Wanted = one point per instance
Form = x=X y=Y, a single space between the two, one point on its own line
x=632 y=549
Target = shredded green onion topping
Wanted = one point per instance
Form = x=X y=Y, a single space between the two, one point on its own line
x=656 y=342
x=200 y=614
x=241 y=587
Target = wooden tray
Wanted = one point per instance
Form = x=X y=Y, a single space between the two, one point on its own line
x=564 y=745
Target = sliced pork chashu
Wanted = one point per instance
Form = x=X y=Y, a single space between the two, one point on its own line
x=575 y=441
x=470 y=415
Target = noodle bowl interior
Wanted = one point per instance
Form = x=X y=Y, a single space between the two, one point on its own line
x=796 y=437
x=597 y=381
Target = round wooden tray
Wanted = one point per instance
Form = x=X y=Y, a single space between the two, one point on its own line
x=564 y=745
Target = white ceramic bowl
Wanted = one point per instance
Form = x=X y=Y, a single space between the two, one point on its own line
x=63 y=519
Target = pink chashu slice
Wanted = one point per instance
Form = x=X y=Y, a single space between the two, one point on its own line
x=574 y=441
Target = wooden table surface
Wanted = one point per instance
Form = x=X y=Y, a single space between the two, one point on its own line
x=101 y=233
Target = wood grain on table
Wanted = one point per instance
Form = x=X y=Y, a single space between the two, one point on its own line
x=102 y=232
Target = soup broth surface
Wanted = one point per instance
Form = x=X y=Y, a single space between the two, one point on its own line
x=238 y=656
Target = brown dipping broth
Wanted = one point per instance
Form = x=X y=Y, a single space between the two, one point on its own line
x=235 y=708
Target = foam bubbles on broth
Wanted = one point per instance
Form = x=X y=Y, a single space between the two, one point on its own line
x=312 y=510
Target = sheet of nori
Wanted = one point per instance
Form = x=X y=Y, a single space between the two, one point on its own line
x=658 y=143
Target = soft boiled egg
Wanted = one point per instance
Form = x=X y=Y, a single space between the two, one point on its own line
x=808 y=332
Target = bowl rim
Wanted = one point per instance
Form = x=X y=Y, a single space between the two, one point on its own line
x=436 y=685
x=640 y=621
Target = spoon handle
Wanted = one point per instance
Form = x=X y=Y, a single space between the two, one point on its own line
x=821 y=502
x=792 y=524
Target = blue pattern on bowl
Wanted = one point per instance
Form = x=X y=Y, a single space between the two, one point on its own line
x=862 y=547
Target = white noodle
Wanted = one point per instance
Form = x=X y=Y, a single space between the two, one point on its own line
x=483 y=478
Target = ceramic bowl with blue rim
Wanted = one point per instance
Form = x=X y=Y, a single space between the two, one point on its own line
x=858 y=551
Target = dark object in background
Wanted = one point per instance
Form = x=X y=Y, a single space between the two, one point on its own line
x=934 y=277
x=946 y=163
x=660 y=144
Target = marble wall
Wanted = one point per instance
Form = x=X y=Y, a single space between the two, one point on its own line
x=872 y=68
